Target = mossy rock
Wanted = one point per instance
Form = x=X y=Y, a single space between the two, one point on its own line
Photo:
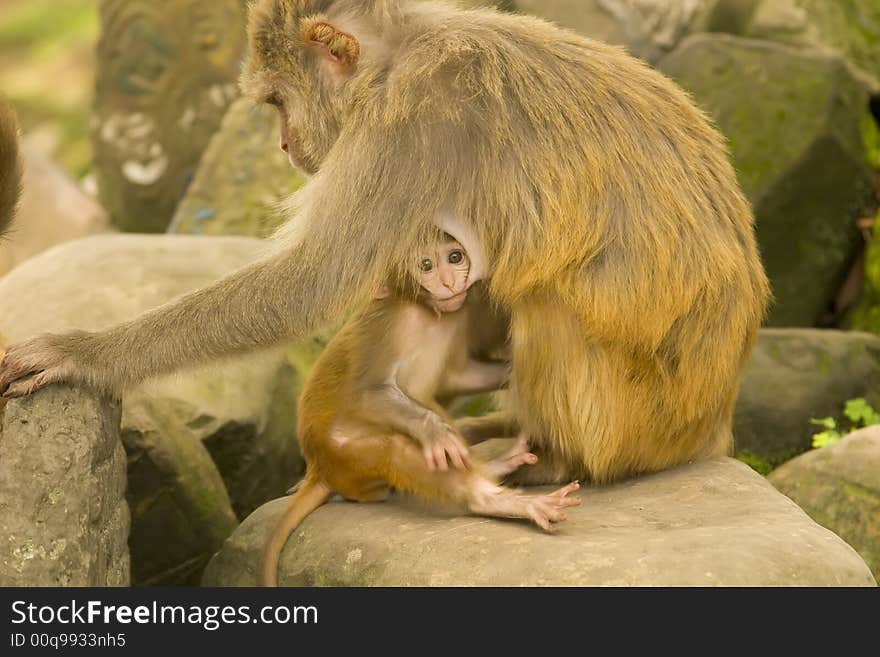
x=166 y=74
x=839 y=487
x=647 y=28
x=242 y=177
x=848 y=27
x=799 y=126
x=729 y=16
x=181 y=512
x=795 y=375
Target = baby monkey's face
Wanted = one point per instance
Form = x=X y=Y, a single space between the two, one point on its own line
x=443 y=275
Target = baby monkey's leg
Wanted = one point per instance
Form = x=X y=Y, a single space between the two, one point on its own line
x=405 y=469
x=511 y=461
x=497 y=424
x=548 y=469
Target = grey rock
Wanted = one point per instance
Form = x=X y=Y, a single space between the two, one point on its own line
x=794 y=120
x=648 y=28
x=181 y=512
x=166 y=74
x=239 y=414
x=53 y=210
x=794 y=375
x=730 y=16
x=242 y=177
x=839 y=487
x=711 y=523
x=63 y=516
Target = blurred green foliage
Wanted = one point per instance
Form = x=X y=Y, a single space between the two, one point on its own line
x=859 y=413
x=47 y=71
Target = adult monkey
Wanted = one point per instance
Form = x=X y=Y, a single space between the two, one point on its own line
x=601 y=198
x=10 y=167
x=10 y=183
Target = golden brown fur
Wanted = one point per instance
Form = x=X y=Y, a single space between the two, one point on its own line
x=610 y=216
x=10 y=167
x=379 y=377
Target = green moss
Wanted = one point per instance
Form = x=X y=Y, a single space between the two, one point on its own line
x=871 y=140
x=866 y=316
x=755 y=462
x=850 y=26
x=768 y=462
x=303 y=355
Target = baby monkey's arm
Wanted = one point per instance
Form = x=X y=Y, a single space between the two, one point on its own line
x=476 y=377
x=387 y=404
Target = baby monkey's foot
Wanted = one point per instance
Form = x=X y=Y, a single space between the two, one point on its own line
x=517 y=457
x=544 y=510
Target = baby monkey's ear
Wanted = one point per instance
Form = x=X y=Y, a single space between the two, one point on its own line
x=340 y=50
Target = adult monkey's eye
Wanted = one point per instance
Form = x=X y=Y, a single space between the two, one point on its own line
x=456 y=258
x=273 y=100
x=426 y=265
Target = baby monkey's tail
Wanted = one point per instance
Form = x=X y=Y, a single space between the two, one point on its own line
x=308 y=497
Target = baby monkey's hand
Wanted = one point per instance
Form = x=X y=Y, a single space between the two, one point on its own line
x=445 y=447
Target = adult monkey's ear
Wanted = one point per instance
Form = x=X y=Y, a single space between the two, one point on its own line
x=339 y=50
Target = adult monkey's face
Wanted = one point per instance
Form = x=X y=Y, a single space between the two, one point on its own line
x=315 y=61
x=299 y=62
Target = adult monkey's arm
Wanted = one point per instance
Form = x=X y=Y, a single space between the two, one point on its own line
x=346 y=244
x=382 y=173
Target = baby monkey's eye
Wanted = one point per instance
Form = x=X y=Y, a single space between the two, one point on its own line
x=426 y=265
x=456 y=257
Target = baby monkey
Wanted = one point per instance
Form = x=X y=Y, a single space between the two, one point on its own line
x=369 y=416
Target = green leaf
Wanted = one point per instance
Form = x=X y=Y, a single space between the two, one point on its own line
x=825 y=439
x=826 y=422
x=860 y=412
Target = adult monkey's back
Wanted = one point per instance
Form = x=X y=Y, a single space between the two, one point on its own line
x=603 y=202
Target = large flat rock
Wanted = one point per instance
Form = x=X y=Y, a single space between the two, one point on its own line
x=713 y=523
